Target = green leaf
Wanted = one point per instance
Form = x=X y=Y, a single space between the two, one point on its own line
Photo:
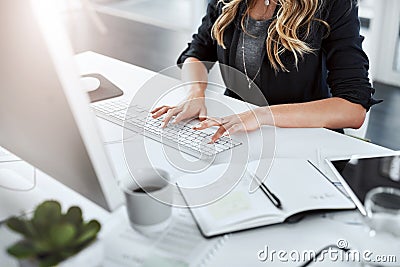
x=49 y=212
x=21 y=226
x=42 y=246
x=89 y=232
x=22 y=250
x=73 y=216
x=17 y=225
x=62 y=234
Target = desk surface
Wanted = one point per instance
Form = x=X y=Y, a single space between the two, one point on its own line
x=241 y=249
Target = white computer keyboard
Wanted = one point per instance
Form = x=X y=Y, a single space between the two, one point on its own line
x=180 y=136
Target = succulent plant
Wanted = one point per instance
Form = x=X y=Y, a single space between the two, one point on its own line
x=51 y=236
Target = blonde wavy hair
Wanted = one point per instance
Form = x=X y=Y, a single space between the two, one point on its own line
x=283 y=32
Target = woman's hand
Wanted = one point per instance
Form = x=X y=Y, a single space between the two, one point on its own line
x=193 y=106
x=242 y=122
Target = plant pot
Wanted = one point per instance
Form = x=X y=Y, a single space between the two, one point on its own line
x=91 y=256
x=28 y=263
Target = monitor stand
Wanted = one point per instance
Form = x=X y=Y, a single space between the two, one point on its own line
x=18 y=192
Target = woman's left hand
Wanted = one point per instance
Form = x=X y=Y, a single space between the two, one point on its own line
x=243 y=122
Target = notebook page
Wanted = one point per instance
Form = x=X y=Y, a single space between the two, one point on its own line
x=237 y=207
x=301 y=187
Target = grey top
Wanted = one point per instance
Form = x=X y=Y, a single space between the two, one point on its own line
x=254 y=46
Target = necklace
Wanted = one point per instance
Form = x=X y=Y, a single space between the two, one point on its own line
x=249 y=81
x=266 y=14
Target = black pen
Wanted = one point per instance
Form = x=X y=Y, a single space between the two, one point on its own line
x=271 y=196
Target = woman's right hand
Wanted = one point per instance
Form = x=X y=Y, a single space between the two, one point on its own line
x=194 y=106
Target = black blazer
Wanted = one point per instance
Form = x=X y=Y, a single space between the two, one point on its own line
x=339 y=66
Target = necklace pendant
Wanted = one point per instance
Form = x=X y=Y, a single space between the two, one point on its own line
x=249 y=86
x=266 y=2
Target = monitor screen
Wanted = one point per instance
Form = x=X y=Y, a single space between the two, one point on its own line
x=45 y=118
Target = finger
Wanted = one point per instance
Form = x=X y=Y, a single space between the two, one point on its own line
x=172 y=112
x=234 y=129
x=221 y=130
x=158 y=108
x=207 y=124
x=181 y=116
x=203 y=114
x=160 y=112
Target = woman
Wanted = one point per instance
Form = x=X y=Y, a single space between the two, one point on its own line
x=304 y=55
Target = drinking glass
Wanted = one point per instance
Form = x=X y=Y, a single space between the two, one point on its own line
x=382 y=206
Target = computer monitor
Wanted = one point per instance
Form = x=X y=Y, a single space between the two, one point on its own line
x=45 y=117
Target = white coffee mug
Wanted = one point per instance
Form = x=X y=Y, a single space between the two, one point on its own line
x=149 y=196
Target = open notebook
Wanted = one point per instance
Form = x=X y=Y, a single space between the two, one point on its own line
x=299 y=186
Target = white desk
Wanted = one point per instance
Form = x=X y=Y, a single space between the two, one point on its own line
x=241 y=249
